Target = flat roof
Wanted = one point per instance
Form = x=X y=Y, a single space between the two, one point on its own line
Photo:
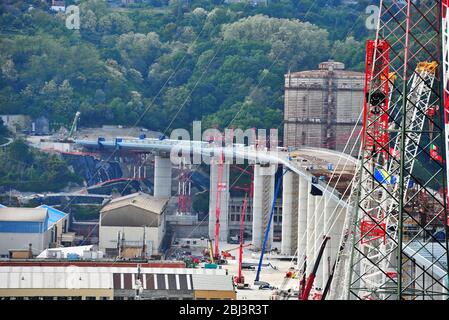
x=102 y=277
x=23 y=214
x=218 y=283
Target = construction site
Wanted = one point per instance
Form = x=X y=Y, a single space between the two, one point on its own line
x=353 y=206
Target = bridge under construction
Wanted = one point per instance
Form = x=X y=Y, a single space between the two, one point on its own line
x=372 y=227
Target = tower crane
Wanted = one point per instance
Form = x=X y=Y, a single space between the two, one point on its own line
x=445 y=76
x=379 y=234
x=239 y=279
x=376 y=242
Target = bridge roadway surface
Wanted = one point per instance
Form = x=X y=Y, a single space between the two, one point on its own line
x=309 y=163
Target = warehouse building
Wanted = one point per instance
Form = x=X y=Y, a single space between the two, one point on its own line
x=107 y=281
x=132 y=226
x=323 y=106
x=34 y=229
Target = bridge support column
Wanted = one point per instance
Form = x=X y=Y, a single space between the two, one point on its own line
x=262 y=201
x=318 y=236
x=162 y=176
x=303 y=205
x=224 y=200
x=290 y=213
x=335 y=233
x=330 y=211
x=310 y=251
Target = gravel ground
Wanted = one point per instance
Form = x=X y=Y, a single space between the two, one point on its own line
x=274 y=277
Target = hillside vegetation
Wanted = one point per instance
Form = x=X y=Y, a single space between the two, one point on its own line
x=162 y=65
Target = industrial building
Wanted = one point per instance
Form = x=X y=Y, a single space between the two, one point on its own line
x=31 y=229
x=322 y=107
x=133 y=225
x=112 y=280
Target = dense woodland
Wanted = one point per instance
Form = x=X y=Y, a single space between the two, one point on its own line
x=163 y=65
x=160 y=65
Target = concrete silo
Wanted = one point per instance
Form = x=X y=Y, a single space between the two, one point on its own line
x=322 y=106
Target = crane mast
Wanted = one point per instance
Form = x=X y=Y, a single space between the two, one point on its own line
x=387 y=226
x=445 y=76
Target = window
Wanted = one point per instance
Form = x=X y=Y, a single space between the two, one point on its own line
x=104 y=298
x=91 y=298
x=194 y=241
x=119 y=298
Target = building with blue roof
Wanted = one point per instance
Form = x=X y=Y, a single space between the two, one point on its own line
x=40 y=228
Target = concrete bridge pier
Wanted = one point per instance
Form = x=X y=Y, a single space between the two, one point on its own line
x=329 y=251
x=318 y=237
x=335 y=232
x=264 y=176
x=290 y=191
x=224 y=200
x=310 y=228
x=162 y=176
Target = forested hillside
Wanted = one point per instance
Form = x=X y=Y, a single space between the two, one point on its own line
x=164 y=65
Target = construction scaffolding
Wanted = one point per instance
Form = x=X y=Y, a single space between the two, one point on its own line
x=389 y=231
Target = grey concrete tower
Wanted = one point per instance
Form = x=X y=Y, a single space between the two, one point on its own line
x=264 y=176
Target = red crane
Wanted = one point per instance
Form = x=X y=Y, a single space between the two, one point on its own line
x=240 y=279
x=218 y=204
x=306 y=292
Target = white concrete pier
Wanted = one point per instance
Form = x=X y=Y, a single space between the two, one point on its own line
x=310 y=252
x=264 y=176
x=318 y=236
x=303 y=196
x=162 y=176
x=290 y=188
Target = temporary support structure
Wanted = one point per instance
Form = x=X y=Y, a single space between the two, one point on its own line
x=389 y=231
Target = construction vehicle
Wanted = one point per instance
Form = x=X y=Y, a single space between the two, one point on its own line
x=68 y=137
x=281 y=293
x=209 y=252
